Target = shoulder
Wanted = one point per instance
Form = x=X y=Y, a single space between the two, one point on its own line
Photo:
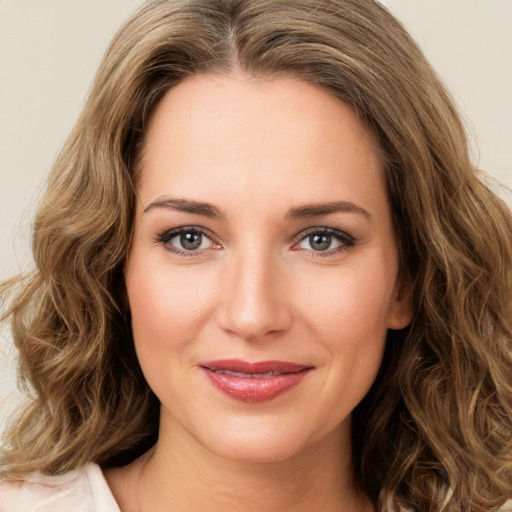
x=82 y=490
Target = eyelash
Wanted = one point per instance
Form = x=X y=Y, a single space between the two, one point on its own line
x=346 y=241
x=166 y=236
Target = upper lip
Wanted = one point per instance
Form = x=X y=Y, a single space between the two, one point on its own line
x=257 y=367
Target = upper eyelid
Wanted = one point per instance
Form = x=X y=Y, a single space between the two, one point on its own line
x=325 y=230
x=170 y=233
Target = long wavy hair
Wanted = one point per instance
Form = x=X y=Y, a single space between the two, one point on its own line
x=435 y=431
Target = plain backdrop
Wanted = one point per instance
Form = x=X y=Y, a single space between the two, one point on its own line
x=50 y=49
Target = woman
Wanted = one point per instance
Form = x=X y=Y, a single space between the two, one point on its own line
x=268 y=278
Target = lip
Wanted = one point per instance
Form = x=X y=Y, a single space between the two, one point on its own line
x=254 y=382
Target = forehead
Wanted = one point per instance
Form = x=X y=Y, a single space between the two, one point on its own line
x=279 y=136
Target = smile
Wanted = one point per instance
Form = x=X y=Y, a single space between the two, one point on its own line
x=254 y=382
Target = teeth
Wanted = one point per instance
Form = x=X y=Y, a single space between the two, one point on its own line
x=249 y=375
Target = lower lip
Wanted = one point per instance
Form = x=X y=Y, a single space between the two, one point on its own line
x=252 y=389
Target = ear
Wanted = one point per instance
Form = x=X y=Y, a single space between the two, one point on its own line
x=401 y=309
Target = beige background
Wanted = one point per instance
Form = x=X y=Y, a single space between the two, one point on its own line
x=49 y=50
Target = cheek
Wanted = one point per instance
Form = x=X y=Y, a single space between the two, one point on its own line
x=350 y=304
x=347 y=318
x=168 y=311
x=168 y=307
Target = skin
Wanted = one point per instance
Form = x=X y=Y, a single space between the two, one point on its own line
x=258 y=152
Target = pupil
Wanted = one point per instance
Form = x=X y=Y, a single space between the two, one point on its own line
x=191 y=241
x=320 y=242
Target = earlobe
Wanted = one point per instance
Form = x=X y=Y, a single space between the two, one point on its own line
x=401 y=310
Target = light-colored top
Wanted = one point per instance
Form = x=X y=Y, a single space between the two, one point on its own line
x=82 y=490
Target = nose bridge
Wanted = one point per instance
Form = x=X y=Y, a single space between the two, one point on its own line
x=254 y=304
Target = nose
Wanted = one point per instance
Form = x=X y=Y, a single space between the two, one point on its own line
x=255 y=304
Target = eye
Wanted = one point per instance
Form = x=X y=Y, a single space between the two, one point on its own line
x=325 y=240
x=186 y=240
x=190 y=241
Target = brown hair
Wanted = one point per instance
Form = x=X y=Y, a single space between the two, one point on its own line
x=435 y=431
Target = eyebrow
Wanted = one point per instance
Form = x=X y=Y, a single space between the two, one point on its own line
x=299 y=212
x=319 y=209
x=185 y=205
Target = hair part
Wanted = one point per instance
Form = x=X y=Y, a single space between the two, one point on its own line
x=435 y=431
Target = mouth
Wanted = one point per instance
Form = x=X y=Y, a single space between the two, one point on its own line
x=254 y=382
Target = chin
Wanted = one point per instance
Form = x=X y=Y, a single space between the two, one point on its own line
x=258 y=442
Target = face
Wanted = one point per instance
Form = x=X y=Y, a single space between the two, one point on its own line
x=262 y=277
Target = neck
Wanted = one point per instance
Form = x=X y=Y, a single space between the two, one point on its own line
x=181 y=474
